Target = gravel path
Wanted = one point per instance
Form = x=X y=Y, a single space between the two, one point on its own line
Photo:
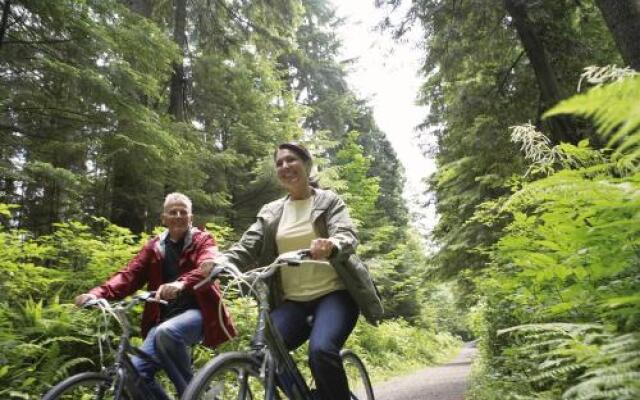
x=443 y=382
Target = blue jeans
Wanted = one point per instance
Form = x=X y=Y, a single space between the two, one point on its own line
x=334 y=317
x=169 y=343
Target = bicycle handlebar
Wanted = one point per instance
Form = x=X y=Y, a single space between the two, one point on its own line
x=148 y=297
x=291 y=259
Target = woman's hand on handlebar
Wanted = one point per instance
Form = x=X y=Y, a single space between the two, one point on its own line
x=321 y=249
x=206 y=267
x=210 y=270
x=83 y=298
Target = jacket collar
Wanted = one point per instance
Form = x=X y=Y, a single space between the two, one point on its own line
x=188 y=240
x=321 y=201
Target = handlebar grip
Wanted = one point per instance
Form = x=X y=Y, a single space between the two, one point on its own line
x=150 y=297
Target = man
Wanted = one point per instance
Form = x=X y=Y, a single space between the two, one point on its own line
x=169 y=264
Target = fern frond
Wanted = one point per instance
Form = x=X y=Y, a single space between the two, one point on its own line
x=65 y=339
x=615 y=374
x=598 y=75
x=64 y=369
x=563 y=327
x=615 y=109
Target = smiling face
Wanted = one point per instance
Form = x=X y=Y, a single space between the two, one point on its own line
x=177 y=218
x=292 y=171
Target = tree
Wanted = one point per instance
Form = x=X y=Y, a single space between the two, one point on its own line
x=562 y=128
x=71 y=86
x=480 y=80
x=623 y=19
x=177 y=98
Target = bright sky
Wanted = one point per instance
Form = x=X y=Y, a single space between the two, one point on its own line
x=386 y=73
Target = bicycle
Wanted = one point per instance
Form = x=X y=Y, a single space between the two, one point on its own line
x=120 y=380
x=267 y=370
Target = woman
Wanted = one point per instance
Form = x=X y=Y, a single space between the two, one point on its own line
x=309 y=217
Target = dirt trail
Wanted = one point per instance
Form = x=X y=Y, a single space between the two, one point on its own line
x=443 y=382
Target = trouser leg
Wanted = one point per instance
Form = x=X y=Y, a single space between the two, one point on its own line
x=290 y=319
x=335 y=317
x=173 y=340
x=147 y=369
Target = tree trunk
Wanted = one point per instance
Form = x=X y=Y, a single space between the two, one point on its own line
x=5 y=17
x=562 y=129
x=623 y=20
x=178 y=80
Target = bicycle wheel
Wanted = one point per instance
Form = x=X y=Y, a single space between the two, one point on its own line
x=233 y=375
x=84 y=386
x=359 y=382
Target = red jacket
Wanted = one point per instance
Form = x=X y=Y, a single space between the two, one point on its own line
x=146 y=268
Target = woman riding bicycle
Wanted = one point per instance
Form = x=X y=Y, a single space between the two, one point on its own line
x=168 y=264
x=332 y=296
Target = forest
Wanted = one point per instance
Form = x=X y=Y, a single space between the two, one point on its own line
x=533 y=119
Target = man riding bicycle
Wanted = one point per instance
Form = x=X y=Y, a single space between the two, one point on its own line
x=169 y=264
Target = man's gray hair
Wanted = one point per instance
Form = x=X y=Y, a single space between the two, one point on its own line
x=177 y=197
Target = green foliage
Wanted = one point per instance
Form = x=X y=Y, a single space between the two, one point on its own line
x=563 y=279
x=40 y=346
x=361 y=191
x=619 y=125
x=89 y=149
x=395 y=346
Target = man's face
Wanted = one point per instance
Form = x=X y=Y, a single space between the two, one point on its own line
x=177 y=218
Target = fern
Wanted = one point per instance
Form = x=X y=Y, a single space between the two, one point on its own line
x=615 y=373
x=605 y=366
x=598 y=75
x=615 y=109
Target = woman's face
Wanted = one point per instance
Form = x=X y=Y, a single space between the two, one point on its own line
x=291 y=170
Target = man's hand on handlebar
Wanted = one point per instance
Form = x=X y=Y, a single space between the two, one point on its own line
x=169 y=291
x=83 y=298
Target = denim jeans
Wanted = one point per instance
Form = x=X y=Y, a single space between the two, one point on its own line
x=169 y=343
x=334 y=317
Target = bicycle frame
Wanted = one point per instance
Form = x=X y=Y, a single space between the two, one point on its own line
x=267 y=346
x=125 y=375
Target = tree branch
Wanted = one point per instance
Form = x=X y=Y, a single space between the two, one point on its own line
x=505 y=76
x=30 y=42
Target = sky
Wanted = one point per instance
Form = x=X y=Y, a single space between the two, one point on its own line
x=386 y=73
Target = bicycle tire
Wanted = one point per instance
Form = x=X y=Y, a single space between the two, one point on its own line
x=228 y=376
x=357 y=375
x=84 y=386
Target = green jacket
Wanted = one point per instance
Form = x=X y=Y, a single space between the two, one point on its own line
x=330 y=219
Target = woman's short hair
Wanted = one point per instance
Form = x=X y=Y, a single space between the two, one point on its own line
x=177 y=197
x=304 y=155
x=297 y=148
